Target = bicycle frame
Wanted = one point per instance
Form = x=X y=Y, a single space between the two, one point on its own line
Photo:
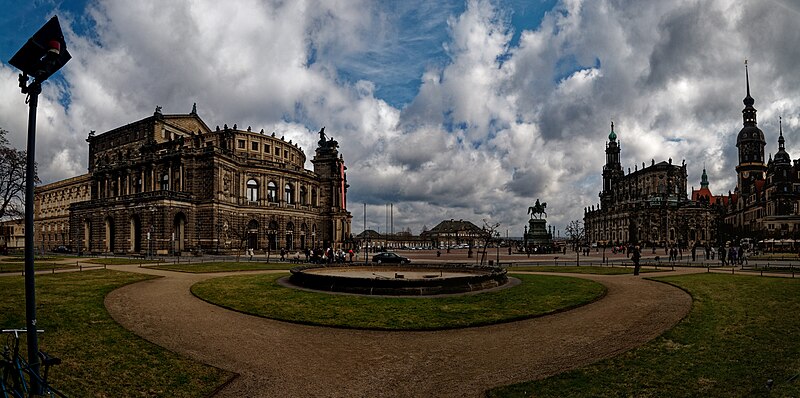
x=15 y=374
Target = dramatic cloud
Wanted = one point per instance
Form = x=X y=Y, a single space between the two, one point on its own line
x=497 y=117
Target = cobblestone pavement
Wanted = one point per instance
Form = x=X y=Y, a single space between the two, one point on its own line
x=282 y=359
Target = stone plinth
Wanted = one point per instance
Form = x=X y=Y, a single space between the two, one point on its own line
x=537 y=233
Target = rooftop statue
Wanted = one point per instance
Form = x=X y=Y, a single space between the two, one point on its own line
x=326 y=143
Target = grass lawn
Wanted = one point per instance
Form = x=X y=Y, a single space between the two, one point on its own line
x=223 y=266
x=741 y=331
x=581 y=270
x=100 y=358
x=39 y=266
x=119 y=261
x=260 y=295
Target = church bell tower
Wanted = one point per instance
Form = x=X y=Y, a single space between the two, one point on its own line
x=750 y=143
x=612 y=170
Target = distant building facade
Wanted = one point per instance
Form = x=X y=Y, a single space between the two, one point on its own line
x=12 y=235
x=452 y=233
x=400 y=240
x=168 y=184
x=649 y=206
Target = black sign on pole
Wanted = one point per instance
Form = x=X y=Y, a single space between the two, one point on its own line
x=41 y=56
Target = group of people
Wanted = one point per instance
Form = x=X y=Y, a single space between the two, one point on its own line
x=315 y=256
x=329 y=256
x=731 y=255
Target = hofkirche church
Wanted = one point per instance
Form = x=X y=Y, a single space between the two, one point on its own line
x=169 y=184
x=649 y=205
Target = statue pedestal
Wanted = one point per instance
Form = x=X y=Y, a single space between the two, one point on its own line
x=537 y=234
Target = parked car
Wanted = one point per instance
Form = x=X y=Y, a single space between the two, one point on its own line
x=62 y=249
x=389 y=258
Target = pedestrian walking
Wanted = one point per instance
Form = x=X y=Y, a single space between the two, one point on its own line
x=635 y=256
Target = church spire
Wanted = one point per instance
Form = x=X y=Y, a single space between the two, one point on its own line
x=748 y=113
x=781 y=141
x=748 y=100
x=704 y=179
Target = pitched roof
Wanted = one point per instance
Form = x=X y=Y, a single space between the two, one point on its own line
x=452 y=226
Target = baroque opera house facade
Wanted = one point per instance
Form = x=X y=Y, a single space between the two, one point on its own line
x=169 y=184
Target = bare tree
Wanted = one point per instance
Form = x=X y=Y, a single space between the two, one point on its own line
x=576 y=234
x=12 y=179
x=240 y=232
x=491 y=230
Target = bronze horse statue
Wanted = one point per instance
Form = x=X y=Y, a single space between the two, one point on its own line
x=537 y=209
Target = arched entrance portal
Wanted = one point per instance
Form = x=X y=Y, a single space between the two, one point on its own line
x=110 y=234
x=179 y=231
x=136 y=234
x=272 y=235
x=252 y=234
x=289 y=236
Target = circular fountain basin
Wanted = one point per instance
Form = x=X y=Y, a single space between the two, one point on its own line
x=398 y=280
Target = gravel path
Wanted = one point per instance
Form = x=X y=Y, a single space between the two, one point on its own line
x=281 y=359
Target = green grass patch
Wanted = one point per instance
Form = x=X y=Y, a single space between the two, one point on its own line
x=741 y=331
x=100 y=357
x=38 y=266
x=15 y=258
x=593 y=270
x=223 y=266
x=261 y=295
x=119 y=261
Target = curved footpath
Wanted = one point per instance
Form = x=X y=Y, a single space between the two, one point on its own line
x=276 y=358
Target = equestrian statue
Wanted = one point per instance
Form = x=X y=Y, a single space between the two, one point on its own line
x=537 y=210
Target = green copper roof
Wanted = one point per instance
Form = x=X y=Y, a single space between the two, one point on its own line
x=613 y=135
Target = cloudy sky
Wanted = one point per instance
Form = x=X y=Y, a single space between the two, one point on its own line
x=448 y=109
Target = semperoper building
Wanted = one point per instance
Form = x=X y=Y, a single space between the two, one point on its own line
x=169 y=184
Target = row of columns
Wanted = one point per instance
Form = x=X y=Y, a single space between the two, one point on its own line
x=104 y=187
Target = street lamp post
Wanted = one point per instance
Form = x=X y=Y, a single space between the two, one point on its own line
x=41 y=56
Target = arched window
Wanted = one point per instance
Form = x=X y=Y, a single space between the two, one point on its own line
x=252 y=190
x=137 y=185
x=164 y=182
x=288 y=194
x=272 y=192
x=303 y=196
x=313 y=197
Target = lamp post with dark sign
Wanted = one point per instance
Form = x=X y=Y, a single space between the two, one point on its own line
x=41 y=56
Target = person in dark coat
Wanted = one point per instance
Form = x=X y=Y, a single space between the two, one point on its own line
x=635 y=256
